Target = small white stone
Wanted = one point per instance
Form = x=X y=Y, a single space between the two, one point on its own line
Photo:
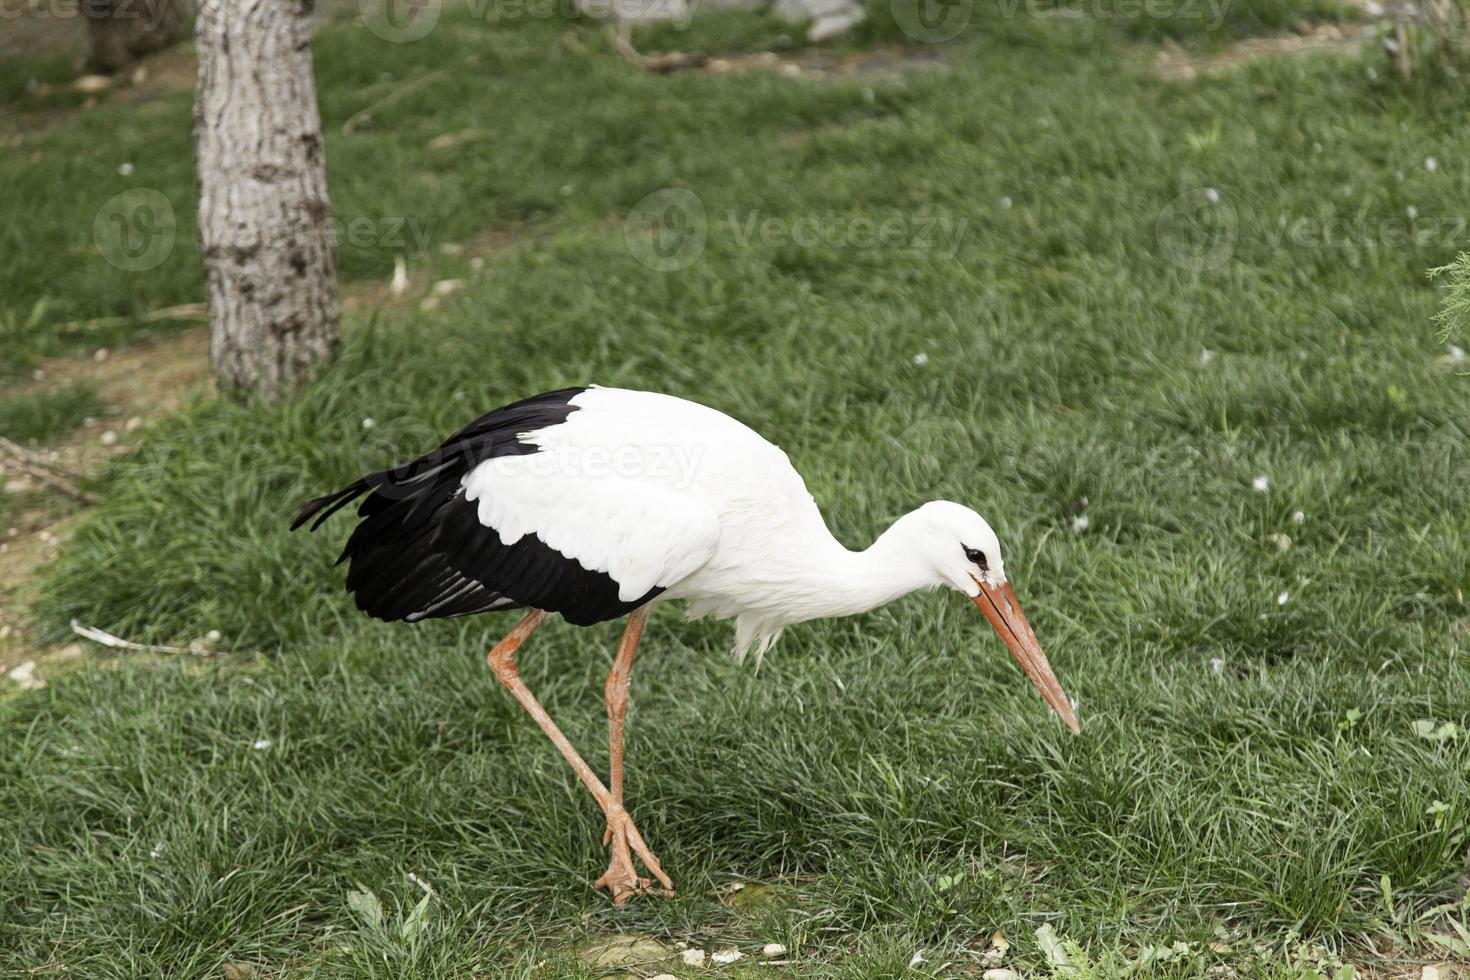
x=1212 y=195
x=1411 y=211
x=773 y=949
x=1005 y=202
x=477 y=263
x=692 y=957
x=126 y=169
x=920 y=359
x=1283 y=597
x=1217 y=665
x=1206 y=355
x=108 y=438
x=1431 y=164
x=38 y=375
x=368 y=423
x=1298 y=518
x=260 y=744
x=1429 y=973
x=25 y=677
x=1260 y=484
x=100 y=354
x=1080 y=523
x=726 y=956
x=1000 y=973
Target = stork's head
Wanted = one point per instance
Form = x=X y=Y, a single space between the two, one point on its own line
x=965 y=554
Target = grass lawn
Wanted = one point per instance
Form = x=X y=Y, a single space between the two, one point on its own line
x=1031 y=275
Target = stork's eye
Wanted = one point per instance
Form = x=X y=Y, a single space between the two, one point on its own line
x=978 y=557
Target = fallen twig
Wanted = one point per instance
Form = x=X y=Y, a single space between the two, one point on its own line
x=118 y=643
x=187 y=311
x=37 y=467
x=362 y=116
x=662 y=64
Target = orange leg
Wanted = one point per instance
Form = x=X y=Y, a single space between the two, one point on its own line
x=621 y=876
x=623 y=834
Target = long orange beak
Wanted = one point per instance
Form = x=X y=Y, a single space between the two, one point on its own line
x=1000 y=607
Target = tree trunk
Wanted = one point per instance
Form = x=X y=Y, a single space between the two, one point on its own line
x=122 y=31
x=265 y=225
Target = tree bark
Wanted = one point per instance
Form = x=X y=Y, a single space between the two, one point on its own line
x=265 y=224
x=122 y=31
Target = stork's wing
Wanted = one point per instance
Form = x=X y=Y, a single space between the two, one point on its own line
x=494 y=519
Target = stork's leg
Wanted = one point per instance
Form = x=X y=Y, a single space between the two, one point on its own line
x=502 y=661
x=621 y=876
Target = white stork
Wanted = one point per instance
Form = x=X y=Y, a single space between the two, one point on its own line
x=595 y=503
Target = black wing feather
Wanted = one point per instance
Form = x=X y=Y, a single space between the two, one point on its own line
x=419 y=550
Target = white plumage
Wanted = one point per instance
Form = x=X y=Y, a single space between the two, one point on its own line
x=595 y=503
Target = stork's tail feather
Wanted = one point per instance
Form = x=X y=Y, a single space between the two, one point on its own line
x=324 y=507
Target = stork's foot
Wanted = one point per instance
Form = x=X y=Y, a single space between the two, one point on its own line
x=621 y=878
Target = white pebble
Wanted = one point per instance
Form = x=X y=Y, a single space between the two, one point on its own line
x=1298 y=518
x=369 y=423
x=921 y=359
x=1282 y=597
x=692 y=957
x=108 y=438
x=773 y=949
x=25 y=676
x=1005 y=202
x=1000 y=973
x=261 y=743
x=726 y=956
x=1212 y=195
x=126 y=169
x=1431 y=164
x=1206 y=355
x=1411 y=211
x=1217 y=665
x=1080 y=523
x=1260 y=484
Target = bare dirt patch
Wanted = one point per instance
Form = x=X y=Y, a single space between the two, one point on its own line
x=139 y=384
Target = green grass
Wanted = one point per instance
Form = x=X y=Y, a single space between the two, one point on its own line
x=1250 y=772
x=46 y=413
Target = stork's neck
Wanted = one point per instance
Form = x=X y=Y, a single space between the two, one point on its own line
x=857 y=581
